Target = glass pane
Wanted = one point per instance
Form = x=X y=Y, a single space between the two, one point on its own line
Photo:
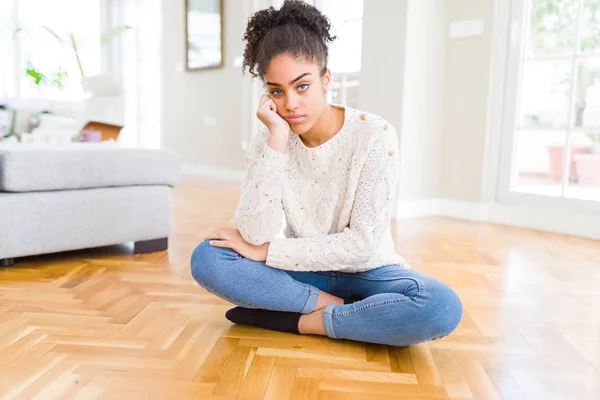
x=539 y=160
x=7 y=50
x=5 y=11
x=587 y=102
x=346 y=19
x=552 y=27
x=545 y=92
x=590 y=27
x=54 y=55
x=345 y=89
x=586 y=184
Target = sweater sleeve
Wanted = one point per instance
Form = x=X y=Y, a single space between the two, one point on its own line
x=370 y=218
x=259 y=214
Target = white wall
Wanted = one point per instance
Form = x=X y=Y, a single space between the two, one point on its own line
x=466 y=97
x=189 y=96
x=422 y=122
x=433 y=89
x=402 y=79
x=382 y=64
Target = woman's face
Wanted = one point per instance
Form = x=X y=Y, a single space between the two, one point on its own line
x=297 y=90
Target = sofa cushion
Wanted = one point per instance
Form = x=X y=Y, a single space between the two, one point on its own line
x=26 y=167
x=61 y=220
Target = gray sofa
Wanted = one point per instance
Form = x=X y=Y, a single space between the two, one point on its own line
x=56 y=198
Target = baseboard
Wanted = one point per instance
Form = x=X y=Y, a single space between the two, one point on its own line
x=211 y=172
x=418 y=208
x=544 y=220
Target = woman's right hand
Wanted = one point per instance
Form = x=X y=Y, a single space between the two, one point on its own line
x=267 y=114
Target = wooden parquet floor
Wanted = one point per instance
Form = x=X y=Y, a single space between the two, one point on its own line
x=107 y=324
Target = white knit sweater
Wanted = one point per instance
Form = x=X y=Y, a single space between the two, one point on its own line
x=325 y=208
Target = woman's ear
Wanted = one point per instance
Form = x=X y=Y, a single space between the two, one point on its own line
x=326 y=80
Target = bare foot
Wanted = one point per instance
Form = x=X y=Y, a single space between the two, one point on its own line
x=312 y=324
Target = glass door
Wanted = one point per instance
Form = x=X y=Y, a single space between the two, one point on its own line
x=551 y=124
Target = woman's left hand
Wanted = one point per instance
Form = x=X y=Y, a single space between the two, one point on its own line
x=231 y=238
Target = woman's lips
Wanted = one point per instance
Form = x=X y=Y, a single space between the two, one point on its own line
x=294 y=119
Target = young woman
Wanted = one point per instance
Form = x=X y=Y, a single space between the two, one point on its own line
x=313 y=252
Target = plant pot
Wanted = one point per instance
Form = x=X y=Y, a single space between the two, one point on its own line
x=555 y=153
x=588 y=169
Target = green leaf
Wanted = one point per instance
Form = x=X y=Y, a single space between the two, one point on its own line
x=54 y=34
x=16 y=32
x=37 y=76
x=74 y=44
x=59 y=78
x=594 y=137
x=113 y=33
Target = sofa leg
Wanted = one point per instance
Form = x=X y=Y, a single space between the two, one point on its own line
x=148 y=246
x=6 y=262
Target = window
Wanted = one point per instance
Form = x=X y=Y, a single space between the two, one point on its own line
x=36 y=35
x=345 y=52
x=551 y=122
x=560 y=100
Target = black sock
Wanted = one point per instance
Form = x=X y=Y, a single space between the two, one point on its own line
x=352 y=299
x=281 y=321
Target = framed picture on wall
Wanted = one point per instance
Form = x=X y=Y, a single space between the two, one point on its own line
x=7 y=122
x=204 y=34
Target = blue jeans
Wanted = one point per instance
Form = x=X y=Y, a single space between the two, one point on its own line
x=400 y=306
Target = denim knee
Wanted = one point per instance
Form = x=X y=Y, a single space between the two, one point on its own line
x=438 y=313
x=202 y=261
x=448 y=310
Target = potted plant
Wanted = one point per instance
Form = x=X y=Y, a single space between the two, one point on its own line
x=556 y=156
x=53 y=79
x=60 y=78
x=588 y=164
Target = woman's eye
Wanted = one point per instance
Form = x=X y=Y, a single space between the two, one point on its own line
x=276 y=92
x=303 y=87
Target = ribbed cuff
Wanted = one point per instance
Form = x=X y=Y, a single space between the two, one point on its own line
x=275 y=256
x=328 y=321
x=273 y=155
x=311 y=302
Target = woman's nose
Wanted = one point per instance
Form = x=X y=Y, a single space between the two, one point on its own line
x=291 y=102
